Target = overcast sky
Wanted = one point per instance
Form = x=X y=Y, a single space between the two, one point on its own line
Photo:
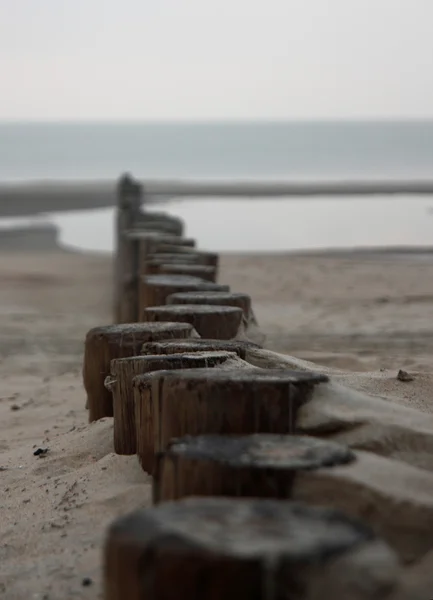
x=223 y=59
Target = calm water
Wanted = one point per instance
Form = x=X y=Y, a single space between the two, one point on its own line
x=29 y=151
x=275 y=225
x=278 y=150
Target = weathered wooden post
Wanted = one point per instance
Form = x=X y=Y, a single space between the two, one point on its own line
x=236 y=401
x=240 y=300
x=239 y=347
x=150 y=243
x=258 y=465
x=150 y=259
x=103 y=344
x=212 y=322
x=160 y=221
x=213 y=401
x=205 y=272
x=130 y=219
x=244 y=549
x=135 y=242
x=207 y=258
x=174 y=253
x=155 y=289
x=128 y=208
x=120 y=384
x=145 y=419
x=152 y=263
x=203 y=257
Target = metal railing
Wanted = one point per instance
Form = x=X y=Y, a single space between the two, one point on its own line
x=28 y=199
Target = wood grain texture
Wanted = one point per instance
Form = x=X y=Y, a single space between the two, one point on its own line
x=103 y=344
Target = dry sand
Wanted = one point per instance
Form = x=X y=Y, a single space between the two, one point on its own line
x=350 y=311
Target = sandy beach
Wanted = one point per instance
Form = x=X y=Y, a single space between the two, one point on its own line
x=368 y=315
x=290 y=144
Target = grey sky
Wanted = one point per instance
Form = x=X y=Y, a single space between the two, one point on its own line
x=145 y=59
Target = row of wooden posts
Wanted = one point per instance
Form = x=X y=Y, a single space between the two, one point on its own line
x=237 y=488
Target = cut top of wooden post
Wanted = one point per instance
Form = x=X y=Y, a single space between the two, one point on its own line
x=201 y=256
x=159 y=216
x=160 y=362
x=260 y=465
x=240 y=300
x=165 y=223
x=203 y=271
x=176 y=265
x=164 y=258
x=129 y=333
x=240 y=549
x=248 y=528
x=158 y=238
x=249 y=378
x=265 y=451
x=182 y=281
x=156 y=288
x=220 y=322
x=198 y=345
x=139 y=234
x=129 y=193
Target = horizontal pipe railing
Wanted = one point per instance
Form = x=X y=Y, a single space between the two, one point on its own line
x=183 y=188
x=28 y=199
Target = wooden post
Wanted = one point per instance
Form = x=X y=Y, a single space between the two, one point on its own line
x=152 y=263
x=144 y=413
x=165 y=224
x=240 y=300
x=240 y=347
x=128 y=208
x=310 y=470
x=152 y=239
x=260 y=465
x=183 y=254
x=134 y=243
x=202 y=271
x=103 y=344
x=239 y=549
x=212 y=322
x=129 y=299
x=150 y=243
x=120 y=384
x=127 y=262
x=211 y=259
x=162 y=222
x=156 y=288
x=200 y=401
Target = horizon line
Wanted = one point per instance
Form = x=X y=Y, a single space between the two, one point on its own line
x=211 y=121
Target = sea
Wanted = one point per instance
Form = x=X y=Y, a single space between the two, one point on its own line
x=237 y=150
